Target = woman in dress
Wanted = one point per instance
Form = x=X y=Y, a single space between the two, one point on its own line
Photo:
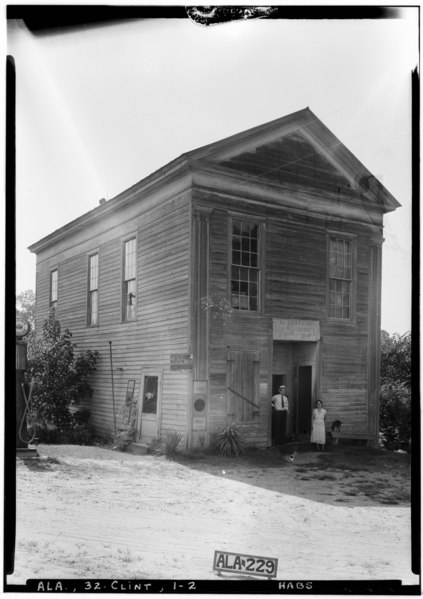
x=318 y=428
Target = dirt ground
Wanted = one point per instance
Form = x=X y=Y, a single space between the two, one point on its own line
x=90 y=512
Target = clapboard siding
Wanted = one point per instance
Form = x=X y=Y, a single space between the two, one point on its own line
x=141 y=346
x=344 y=383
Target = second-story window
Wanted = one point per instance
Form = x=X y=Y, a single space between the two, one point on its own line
x=340 y=278
x=129 y=279
x=245 y=272
x=93 y=290
x=53 y=288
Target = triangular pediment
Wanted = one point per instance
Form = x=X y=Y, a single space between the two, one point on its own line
x=296 y=150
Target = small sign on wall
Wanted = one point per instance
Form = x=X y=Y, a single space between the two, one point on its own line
x=181 y=361
x=294 y=329
x=198 y=424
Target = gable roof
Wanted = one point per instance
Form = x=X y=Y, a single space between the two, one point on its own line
x=287 y=149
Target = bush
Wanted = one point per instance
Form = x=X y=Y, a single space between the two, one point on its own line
x=60 y=375
x=395 y=415
x=395 y=391
x=167 y=447
x=79 y=435
x=230 y=441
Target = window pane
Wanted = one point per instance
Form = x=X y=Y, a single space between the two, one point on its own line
x=243 y=274
x=243 y=302
x=245 y=244
x=243 y=288
x=53 y=286
x=93 y=308
x=253 y=275
x=130 y=271
x=245 y=259
x=236 y=243
x=151 y=386
x=130 y=299
x=236 y=258
x=93 y=272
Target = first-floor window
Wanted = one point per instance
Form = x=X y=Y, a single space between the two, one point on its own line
x=93 y=290
x=340 y=278
x=53 y=288
x=129 y=280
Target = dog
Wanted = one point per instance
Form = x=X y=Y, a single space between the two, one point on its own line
x=336 y=426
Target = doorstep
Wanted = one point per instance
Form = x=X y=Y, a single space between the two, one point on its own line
x=138 y=448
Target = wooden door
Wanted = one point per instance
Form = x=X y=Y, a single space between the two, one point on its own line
x=148 y=424
x=243 y=390
x=304 y=399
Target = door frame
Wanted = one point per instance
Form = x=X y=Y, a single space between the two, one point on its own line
x=159 y=375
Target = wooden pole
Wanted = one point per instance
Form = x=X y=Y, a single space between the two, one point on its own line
x=113 y=387
x=21 y=365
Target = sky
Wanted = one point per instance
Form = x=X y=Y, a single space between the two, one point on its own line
x=100 y=108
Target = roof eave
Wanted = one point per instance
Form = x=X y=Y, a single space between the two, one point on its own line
x=175 y=169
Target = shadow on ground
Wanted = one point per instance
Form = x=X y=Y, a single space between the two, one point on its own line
x=345 y=474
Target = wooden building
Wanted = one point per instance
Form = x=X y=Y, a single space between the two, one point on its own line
x=249 y=262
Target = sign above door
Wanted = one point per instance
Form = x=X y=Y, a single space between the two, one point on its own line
x=294 y=329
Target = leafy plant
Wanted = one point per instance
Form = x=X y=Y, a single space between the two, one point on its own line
x=60 y=374
x=169 y=446
x=230 y=441
x=395 y=391
x=395 y=415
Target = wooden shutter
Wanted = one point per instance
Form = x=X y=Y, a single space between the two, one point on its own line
x=243 y=375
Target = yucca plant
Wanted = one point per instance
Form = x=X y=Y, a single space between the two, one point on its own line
x=168 y=446
x=230 y=441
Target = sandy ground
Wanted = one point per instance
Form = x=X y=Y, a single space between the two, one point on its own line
x=89 y=512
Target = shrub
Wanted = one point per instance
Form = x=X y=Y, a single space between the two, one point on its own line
x=395 y=391
x=60 y=375
x=79 y=435
x=230 y=441
x=395 y=415
x=167 y=446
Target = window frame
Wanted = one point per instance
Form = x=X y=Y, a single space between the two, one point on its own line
x=250 y=220
x=352 y=239
x=125 y=280
x=54 y=287
x=91 y=291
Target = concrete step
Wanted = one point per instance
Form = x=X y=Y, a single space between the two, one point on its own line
x=138 y=448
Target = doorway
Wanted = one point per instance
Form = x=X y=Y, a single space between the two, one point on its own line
x=295 y=366
x=304 y=401
x=148 y=424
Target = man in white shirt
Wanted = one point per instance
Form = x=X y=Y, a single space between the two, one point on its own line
x=280 y=409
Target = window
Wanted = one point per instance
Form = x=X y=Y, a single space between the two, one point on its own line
x=151 y=386
x=93 y=290
x=53 y=289
x=245 y=271
x=129 y=280
x=340 y=278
